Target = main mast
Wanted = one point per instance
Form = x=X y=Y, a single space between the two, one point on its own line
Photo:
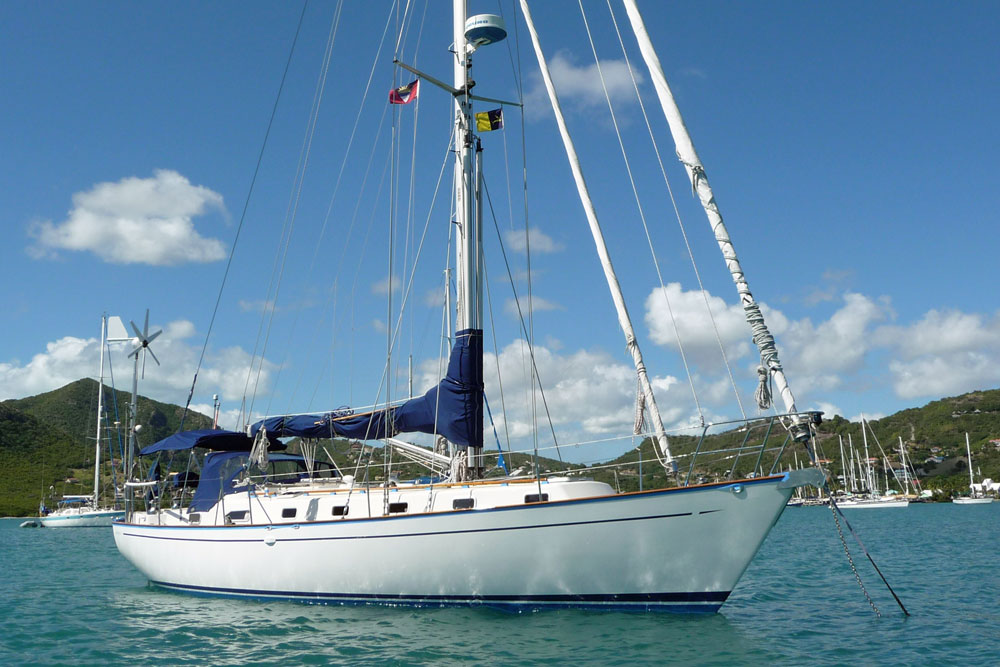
x=468 y=249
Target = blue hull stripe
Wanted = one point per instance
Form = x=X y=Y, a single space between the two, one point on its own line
x=709 y=601
x=414 y=534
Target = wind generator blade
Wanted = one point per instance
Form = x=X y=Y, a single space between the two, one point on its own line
x=145 y=327
x=135 y=351
x=138 y=334
x=150 y=350
x=153 y=337
x=144 y=350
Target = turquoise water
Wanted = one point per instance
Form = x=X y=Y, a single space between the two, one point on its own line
x=69 y=598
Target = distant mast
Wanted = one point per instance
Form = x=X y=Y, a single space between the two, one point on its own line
x=100 y=414
x=968 y=454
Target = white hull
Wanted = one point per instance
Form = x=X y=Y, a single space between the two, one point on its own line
x=672 y=550
x=878 y=503
x=972 y=501
x=87 y=518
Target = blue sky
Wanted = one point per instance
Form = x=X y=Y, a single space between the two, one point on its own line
x=851 y=147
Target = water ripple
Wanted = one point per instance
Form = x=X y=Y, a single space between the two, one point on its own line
x=69 y=598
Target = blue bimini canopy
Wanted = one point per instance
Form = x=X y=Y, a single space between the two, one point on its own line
x=454 y=408
x=214 y=439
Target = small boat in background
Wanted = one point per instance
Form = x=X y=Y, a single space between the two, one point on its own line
x=977 y=492
x=85 y=511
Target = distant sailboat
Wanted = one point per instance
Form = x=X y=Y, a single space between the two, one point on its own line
x=86 y=511
x=977 y=495
x=872 y=498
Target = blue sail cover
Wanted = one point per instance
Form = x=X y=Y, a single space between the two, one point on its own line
x=454 y=408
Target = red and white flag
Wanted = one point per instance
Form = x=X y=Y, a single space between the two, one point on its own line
x=404 y=94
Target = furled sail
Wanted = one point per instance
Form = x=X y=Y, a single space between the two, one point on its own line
x=453 y=408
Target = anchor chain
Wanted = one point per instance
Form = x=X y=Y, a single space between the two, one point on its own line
x=850 y=560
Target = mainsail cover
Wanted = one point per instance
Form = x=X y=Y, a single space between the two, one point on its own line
x=453 y=408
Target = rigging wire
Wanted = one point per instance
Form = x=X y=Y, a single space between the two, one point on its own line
x=531 y=350
x=645 y=226
x=518 y=79
x=677 y=214
x=292 y=212
x=332 y=295
x=496 y=355
x=246 y=205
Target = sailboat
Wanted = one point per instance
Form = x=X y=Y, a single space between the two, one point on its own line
x=977 y=495
x=270 y=526
x=85 y=511
x=872 y=497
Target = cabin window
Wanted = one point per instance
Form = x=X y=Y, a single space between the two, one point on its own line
x=236 y=515
x=340 y=510
x=288 y=513
x=536 y=498
x=463 y=503
x=396 y=508
x=194 y=518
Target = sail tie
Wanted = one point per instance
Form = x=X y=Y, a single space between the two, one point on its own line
x=640 y=409
x=763 y=393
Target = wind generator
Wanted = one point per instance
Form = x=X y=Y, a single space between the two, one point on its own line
x=141 y=341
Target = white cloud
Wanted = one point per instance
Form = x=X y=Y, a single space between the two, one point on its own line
x=944 y=353
x=694 y=72
x=838 y=345
x=579 y=86
x=538 y=304
x=434 y=298
x=694 y=324
x=63 y=361
x=382 y=286
x=940 y=332
x=135 y=221
x=828 y=409
x=256 y=305
x=945 y=375
x=539 y=241
x=68 y=359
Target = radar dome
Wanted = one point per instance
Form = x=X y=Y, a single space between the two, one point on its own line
x=484 y=29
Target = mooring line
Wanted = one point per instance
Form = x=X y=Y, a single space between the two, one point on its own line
x=836 y=510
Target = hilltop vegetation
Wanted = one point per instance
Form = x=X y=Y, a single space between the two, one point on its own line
x=46 y=440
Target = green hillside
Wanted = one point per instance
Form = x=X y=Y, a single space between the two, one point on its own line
x=48 y=441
